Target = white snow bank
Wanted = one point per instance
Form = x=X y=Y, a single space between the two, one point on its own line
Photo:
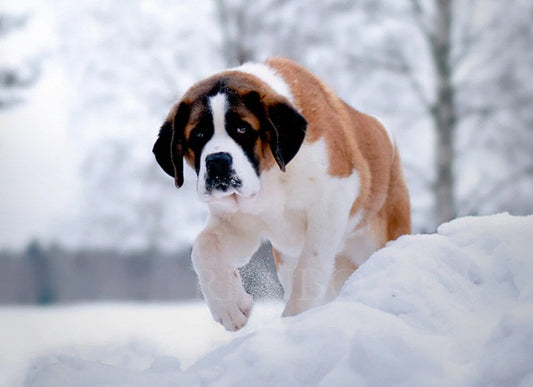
x=453 y=308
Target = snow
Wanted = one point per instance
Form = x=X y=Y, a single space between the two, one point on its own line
x=119 y=336
x=451 y=308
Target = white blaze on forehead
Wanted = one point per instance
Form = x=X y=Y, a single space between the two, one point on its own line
x=267 y=75
x=218 y=107
x=221 y=141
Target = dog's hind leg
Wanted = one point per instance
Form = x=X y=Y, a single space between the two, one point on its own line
x=344 y=268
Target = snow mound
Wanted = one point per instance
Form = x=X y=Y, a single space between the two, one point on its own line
x=452 y=308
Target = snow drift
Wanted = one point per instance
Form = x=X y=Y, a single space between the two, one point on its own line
x=452 y=308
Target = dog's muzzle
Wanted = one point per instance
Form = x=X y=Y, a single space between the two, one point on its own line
x=220 y=174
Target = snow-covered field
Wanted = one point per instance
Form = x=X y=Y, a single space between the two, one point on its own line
x=450 y=309
x=123 y=336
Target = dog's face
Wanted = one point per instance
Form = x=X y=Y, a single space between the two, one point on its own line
x=229 y=128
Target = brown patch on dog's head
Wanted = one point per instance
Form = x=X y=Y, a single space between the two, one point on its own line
x=265 y=124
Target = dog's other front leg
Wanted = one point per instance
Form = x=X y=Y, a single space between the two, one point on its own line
x=218 y=251
x=316 y=262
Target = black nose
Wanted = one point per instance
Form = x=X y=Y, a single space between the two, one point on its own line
x=220 y=174
x=218 y=164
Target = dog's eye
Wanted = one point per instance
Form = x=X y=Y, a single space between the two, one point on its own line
x=199 y=133
x=238 y=128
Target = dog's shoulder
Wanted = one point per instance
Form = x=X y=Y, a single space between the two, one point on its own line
x=353 y=142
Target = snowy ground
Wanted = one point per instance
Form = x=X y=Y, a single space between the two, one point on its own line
x=453 y=308
x=126 y=336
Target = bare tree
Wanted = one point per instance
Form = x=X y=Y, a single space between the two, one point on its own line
x=15 y=79
x=465 y=64
x=478 y=61
x=267 y=28
x=443 y=110
x=234 y=24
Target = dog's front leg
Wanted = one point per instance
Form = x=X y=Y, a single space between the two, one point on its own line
x=217 y=253
x=316 y=263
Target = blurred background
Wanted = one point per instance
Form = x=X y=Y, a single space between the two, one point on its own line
x=86 y=213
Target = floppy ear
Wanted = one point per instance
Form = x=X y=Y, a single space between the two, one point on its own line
x=287 y=133
x=169 y=147
x=284 y=127
x=161 y=148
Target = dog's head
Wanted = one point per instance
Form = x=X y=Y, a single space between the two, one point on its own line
x=230 y=128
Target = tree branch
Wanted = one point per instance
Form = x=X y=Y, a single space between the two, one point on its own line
x=470 y=39
x=408 y=72
x=488 y=110
x=385 y=64
x=400 y=67
x=223 y=19
x=9 y=23
x=418 y=15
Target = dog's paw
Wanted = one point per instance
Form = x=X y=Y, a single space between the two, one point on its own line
x=233 y=314
x=228 y=302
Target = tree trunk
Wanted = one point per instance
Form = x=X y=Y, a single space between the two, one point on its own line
x=444 y=116
x=232 y=23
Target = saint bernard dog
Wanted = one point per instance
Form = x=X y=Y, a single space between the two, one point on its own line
x=280 y=157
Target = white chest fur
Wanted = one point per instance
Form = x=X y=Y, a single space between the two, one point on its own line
x=281 y=211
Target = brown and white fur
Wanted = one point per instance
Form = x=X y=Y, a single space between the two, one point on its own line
x=279 y=156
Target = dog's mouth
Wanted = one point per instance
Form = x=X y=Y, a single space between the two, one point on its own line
x=217 y=187
x=223 y=184
x=232 y=189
